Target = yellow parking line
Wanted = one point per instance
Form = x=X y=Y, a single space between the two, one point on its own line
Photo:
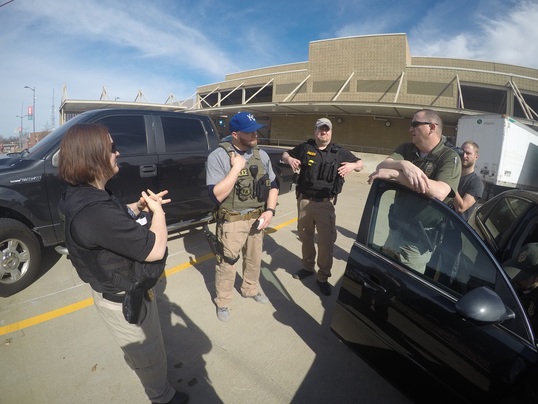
x=50 y=315
x=19 y=325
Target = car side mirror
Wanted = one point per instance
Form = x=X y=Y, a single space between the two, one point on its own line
x=483 y=305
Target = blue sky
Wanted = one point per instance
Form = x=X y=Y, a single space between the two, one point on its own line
x=164 y=47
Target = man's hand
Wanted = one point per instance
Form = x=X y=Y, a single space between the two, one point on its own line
x=417 y=179
x=237 y=161
x=383 y=174
x=346 y=167
x=294 y=163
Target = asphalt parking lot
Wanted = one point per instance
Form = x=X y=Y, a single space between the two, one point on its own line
x=55 y=349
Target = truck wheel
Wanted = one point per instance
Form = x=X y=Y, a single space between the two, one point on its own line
x=20 y=257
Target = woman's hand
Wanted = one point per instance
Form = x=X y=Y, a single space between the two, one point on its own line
x=142 y=203
x=150 y=201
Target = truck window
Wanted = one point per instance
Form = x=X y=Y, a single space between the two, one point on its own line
x=128 y=133
x=183 y=135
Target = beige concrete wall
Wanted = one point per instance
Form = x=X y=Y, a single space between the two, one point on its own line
x=376 y=66
x=379 y=57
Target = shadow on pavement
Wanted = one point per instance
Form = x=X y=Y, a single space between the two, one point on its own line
x=323 y=383
x=185 y=346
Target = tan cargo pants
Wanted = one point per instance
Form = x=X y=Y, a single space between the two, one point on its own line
x=238 y=238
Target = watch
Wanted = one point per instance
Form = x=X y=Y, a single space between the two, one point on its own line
x=271 y=210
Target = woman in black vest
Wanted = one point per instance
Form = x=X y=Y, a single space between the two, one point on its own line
x=106 y=242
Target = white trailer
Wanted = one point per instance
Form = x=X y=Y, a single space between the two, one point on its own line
x=508 y=151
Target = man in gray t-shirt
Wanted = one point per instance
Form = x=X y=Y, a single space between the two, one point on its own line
x=471 y=187
x=241 y=182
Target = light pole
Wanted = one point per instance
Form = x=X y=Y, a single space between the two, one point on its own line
x=33 y=105
x=20 y=130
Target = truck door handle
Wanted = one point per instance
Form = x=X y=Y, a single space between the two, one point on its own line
x=148 y=171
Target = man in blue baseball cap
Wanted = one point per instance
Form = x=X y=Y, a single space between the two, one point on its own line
x=241 y=182
x=244 y=122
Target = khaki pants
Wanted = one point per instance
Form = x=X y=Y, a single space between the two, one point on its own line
x=318 y=216
x=238 y=238
x=142 y=345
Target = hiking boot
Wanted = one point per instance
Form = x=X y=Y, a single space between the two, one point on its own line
x=324 y=287
x=223 y=313
x=303 y=273
x=259 y=298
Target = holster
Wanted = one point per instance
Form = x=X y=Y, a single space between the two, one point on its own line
x=132 y=303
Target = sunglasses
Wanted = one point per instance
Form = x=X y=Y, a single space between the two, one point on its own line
x=113 y=149
x=414 y=124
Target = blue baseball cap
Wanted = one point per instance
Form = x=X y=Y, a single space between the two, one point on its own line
x=244 y=122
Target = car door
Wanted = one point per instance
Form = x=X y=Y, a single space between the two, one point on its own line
x=418 y=313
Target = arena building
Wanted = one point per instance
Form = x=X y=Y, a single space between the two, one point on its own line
x=370 y=87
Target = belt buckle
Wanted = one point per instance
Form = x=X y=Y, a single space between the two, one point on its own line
x=150 y=295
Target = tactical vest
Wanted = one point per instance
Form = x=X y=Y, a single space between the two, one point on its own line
x=252 y=186
x=105 y=271
x=319 y=176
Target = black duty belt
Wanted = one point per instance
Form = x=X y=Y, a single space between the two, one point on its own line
x=118 y=297
x=315 y=199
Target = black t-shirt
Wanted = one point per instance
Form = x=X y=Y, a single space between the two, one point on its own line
x=106 y=225
x=470 y=184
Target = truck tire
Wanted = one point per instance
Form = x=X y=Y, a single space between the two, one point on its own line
x=20 y=257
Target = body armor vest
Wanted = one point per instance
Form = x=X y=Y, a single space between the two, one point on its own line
x=105 y=271
x=319 y=176
x=252 y=186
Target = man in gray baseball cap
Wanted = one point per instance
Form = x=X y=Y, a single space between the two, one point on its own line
x=323 y=166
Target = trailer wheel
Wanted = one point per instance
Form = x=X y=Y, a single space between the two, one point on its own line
x=20 y=257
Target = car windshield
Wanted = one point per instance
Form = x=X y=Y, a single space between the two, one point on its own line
x=50 y=143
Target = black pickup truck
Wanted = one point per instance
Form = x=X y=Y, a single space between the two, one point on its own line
x=158 y=150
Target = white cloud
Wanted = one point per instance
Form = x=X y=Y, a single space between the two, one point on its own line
x=504 y=38
x=174 y=46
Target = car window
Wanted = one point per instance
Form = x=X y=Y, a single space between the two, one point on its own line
x=503 y=215
x=128 y=133
x=452 y=258
x=182 y=135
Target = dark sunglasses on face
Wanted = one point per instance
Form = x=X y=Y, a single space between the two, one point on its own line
x=113 y=148
x=414 y=124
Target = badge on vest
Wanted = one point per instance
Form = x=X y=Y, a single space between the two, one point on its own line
x=243 y=172
x=311 y=153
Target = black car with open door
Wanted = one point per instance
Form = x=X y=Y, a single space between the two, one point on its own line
x=457 y=323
